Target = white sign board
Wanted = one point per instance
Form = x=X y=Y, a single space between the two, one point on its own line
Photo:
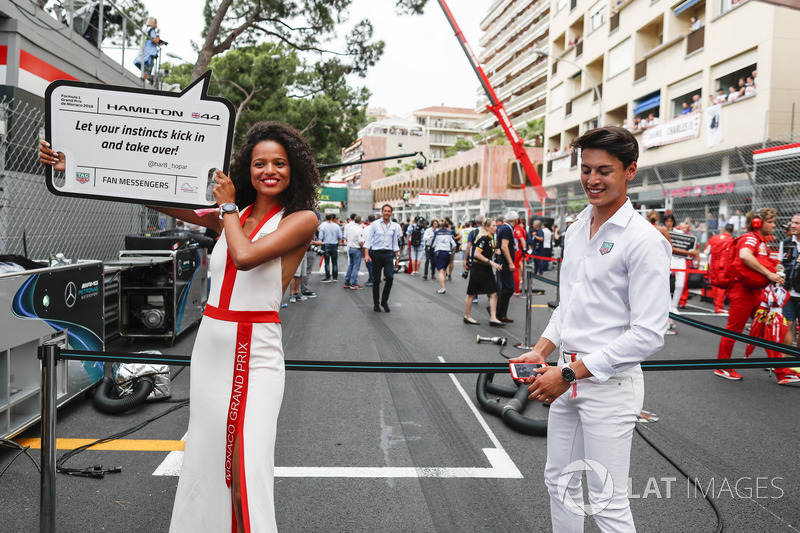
x=425 y=198
x=136 y=145
x=676 y=130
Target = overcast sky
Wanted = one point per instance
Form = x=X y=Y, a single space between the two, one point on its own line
x=422 y=65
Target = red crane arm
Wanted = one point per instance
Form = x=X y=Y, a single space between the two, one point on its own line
x=496 y=107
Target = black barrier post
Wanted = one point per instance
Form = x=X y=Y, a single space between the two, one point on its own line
x=528 y=301
x=47 y=497
x=553 y=305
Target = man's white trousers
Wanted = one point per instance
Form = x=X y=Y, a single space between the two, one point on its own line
x=591 y=435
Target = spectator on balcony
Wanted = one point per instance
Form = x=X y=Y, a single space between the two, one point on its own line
x=755 y=77
x=696 y=103
x=741 y=86
x=749 y=87
x=720 y=98
x=696 y=24
x=652 y=120
x=686 y=108
x=733 y=94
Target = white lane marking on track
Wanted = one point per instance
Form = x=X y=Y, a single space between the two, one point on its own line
x=502 y=467
x=171 y=465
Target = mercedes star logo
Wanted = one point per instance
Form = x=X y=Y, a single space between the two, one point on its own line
x=70 y=294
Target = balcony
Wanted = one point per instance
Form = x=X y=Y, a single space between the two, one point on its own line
x=640 y=71
x=695 y=40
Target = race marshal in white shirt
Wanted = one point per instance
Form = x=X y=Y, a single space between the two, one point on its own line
x=612 y=315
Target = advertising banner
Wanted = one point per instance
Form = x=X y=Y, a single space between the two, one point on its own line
x=425 y=198
x=332 y=194
x=714 y=125
x=139 y=146
x=676 y=130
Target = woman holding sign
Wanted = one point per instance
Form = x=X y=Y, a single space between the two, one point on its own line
x=237 y=367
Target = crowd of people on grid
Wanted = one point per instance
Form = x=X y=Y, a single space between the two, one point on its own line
x=491 y=252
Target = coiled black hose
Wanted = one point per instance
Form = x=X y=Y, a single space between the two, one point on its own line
x=510 y=412
x=104 y=402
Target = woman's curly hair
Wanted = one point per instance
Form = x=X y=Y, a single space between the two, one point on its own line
x=302 y=191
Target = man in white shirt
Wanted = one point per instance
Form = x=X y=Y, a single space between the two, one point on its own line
x=354 y=237
x=612 y=315
x=381 y=244
x=427 y=240
x=547 y=246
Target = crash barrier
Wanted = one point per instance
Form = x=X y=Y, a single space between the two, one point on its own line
x=51 y=353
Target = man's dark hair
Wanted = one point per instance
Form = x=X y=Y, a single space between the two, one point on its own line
x=387 y=205
x=617 y=141
x=329 y=216
x=729 y=228
x=352 y=216
x=669 y=216
x=371 y=218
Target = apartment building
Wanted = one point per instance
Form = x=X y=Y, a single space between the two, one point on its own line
x=512 y=30
x=665 y=70
x=391 y=136
x=446 y=126
x=483 y=180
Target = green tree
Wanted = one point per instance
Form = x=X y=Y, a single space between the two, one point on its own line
x=462 y=145
x=271 y=82
x=302 y=24
x=494 y=137
x=533 y=132
x=391 y=171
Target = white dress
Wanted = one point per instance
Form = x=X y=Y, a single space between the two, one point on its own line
x=237 y=380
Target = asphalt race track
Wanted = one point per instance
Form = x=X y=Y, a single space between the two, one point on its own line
x=394 y=452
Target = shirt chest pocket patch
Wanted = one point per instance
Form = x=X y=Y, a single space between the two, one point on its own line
x=606 y=248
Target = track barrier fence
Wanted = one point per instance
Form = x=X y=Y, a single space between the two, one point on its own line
x=38 y=224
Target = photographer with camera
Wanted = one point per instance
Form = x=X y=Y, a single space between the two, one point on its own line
x=314 y=250
x=149 y=49
x=415 y=247
x=481 y=274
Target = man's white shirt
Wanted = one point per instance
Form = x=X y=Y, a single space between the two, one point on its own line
x=427 y=236
x=547 y=242
x=353 y=235
x=614 y=292
x=381 y=236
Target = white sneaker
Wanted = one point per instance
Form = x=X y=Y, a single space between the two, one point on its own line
x=292 y=299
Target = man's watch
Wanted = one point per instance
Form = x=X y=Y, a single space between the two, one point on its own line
x=568 y=374
x=228 y=208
